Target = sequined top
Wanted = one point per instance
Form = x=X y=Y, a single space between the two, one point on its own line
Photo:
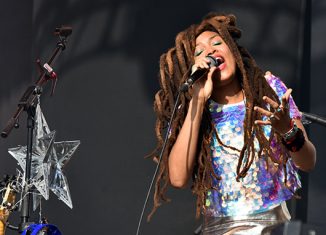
x=260 y=189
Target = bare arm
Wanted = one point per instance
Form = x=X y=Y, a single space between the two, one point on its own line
x=183 y=154
x=305 y=158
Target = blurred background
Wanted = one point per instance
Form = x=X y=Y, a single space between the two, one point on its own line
x=107 y=78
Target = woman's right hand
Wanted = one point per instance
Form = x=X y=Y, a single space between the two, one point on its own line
x=202 y=89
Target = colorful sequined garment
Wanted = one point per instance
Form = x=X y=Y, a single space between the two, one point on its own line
x=261 y=189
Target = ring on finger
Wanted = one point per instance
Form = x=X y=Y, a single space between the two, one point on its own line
x=272 y=117
x=279 y=109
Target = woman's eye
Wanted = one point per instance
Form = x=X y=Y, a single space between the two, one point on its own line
x=197 y=53
x=217 y=43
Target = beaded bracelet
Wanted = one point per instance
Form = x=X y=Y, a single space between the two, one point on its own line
x=291 y=133
x=295 y=143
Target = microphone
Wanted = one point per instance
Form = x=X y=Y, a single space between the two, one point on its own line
x=199 y=73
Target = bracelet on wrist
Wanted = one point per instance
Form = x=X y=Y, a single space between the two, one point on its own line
x=294 y=143
x=288 y=136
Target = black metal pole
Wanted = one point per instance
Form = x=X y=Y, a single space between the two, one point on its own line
x=26 y=191
x=301 y=208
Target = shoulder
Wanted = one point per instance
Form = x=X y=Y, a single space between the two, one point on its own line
x=280 y=88
x=268 y=74
x=276 y=83
x=271 y=78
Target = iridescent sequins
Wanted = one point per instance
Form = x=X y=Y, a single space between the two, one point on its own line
x=263 y=188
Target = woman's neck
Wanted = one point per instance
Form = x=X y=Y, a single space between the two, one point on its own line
x=228 y=94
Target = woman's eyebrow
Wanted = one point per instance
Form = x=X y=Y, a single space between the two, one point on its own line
x=213 y=36
x=210 y=38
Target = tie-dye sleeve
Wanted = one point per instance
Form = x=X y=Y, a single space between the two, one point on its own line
x=280 y=89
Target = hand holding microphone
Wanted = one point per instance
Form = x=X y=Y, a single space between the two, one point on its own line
x=200 y=72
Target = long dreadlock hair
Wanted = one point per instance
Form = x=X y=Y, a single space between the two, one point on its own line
x=174 y=70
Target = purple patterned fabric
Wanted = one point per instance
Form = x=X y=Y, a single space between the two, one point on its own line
x=263 y=187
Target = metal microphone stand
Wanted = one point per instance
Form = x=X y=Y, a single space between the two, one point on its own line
x=182 y=89
x=314 y=118
x=28 y=103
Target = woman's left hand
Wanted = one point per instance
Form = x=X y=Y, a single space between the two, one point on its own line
x=280 y=120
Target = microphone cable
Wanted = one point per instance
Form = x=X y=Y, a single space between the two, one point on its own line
x=159 y=160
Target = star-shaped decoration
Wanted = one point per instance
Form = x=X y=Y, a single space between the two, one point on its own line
x=48 y=160
x=43 y=140
x=62 y=152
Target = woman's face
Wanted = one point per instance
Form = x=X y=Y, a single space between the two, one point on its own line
x=210 y=43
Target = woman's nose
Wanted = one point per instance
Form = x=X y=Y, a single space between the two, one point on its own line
x=211 y=52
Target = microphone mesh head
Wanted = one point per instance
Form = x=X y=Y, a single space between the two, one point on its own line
x=213 y=61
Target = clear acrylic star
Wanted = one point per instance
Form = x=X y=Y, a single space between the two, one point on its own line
x=43 y=140
x=48 y=159
x=61 y=154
